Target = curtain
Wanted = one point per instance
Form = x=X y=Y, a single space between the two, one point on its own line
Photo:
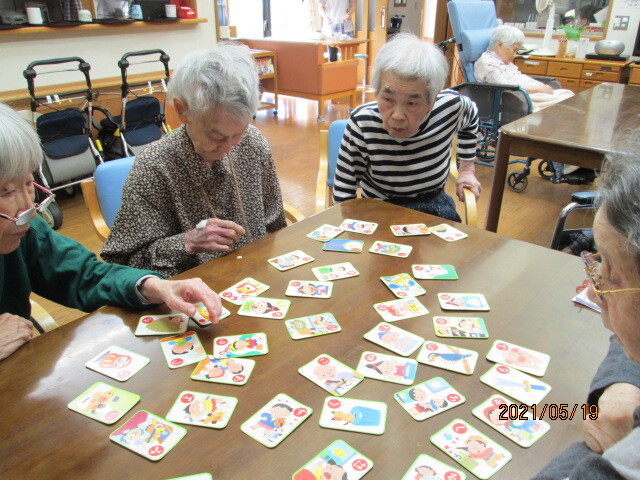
x=223 y=20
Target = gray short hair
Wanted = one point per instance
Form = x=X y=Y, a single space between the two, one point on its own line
x=20 y=150
x=507 y=35
x=222 y=77
x=414 y=59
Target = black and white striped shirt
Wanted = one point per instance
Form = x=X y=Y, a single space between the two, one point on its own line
x=385 y=166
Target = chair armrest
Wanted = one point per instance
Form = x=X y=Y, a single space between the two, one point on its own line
x=292 y=214
x=42 y=321
x=91 y=200
x=555 y=84
x=492 y=86
x=470 y=206
x=323 y=168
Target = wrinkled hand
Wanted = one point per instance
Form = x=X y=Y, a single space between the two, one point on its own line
x=14 y=332
x=615 y=417
x=468 y=180
x=180 y=295
x=216 y=236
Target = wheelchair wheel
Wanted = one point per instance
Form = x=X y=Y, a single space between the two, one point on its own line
x=545 y=170
x=517 y=181
x=52 y=215
x=486 y=155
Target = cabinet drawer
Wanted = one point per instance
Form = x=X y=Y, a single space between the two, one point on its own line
x=602 y=68
x=600 y=76
x=564 y=69
x=586 y=84
x=572 y=84
x=532 y=67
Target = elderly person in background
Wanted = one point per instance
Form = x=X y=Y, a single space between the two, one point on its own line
x=612 y=438
x=398 y=148
x=35 y=258
x=210 y=186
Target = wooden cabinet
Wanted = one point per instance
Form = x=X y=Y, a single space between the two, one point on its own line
x=267 y=66
x=634 y=74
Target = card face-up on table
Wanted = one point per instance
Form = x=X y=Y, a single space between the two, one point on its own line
x=232 y=371
x=447 y=232
x=262 y=307
x=403 y=285
x=202 y=409
x=248 y=287
x=460 y=327
x=201 y=317
x=118 y=363
x=400 y=309
x=391 y=249
x=335 y=272
x=463 y=301
x=518 y=385
x=448 y=357
x=524 y=359
x=429 y=398
x=394 y=338
x=162 y=324
x=197 y=476
x=330 y=374
x=182 y=350
x=428 y=467
x=354 y=415
x=325 y=233
x=434 y=272
x=388 y=368
x=310 y=289
x=338 y=460
x=246 y=345
x=312 y=326
x=104 y=403
x=358 y=226
x=290 y=260
x=410 y=230
x=343 y=245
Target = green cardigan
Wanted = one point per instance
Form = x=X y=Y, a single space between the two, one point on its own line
x=62 y=270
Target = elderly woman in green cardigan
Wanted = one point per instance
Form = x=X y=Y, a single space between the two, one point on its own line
x=35 y=258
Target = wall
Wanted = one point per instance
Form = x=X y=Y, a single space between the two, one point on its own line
x=412 y=15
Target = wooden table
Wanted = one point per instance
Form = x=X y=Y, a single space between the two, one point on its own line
x=528 y=288
x=579 y=131
x=348 y=48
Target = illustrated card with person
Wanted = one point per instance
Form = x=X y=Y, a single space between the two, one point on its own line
x=202 y=409
x=394 y=338
x=335 y=272
x=118 y=363
x=104 y=403
x=325 y=233
x=391 y=249
x=388 y=368
x=343 y=245
x=232 y=371
x=426 y=467
x=403 y=285
x=358 y=226
x=400 y=309
x=524 y=359
x=331 y=375
x=248 y=287
x=429 y=398
x=182 y=350
x=262 y=307
x=245 y=345
x=309 y=289
x=463 y=301
x=447 y=232
x=290 y=260
x=410 y=230
x=448 y=357
x=339 y=460
x=460 y=327
x=312 y=326
x=434 y=272
x=201 y=317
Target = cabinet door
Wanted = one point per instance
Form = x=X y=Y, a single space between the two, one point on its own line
x=634 y=78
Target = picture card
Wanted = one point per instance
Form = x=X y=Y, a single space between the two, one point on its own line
x=197 y=476
x=202 y=409
x=310 y=289
x=182 y=350
x=232 y=371
x=201 y=317
x=460 y=327
x=312 y=326
x=353 y=415
x=410 y=230
x=162 y=324
x=276 y=420
x=447 y=232
x=403 y=285
x=391 y=249
x=358 y=226
x=426 y=467
x=290 y=260
x=335 y=272
x=394 y=338
x=516 y=384
x=325 y=233
x=246 y=345
x=448 y=357
x=524 y=359
x=330 y=374
x=248 y=287
x=117 y=363
x=388 y=368
x=400 y=309
x=339 y=460
x=434 y=272
x=104 y=403
x=463 y=301
x=343 y=245
x=429 y=398
x=262 y=307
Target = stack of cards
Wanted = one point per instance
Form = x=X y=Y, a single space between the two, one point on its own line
x=330 y=374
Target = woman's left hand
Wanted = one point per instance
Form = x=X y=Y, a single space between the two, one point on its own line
x=14 y=332
x=467 y=179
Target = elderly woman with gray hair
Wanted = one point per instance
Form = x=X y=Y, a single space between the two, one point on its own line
x=210 y=186
x=398 y=148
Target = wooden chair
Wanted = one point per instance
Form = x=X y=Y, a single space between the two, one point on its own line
x=330 y=141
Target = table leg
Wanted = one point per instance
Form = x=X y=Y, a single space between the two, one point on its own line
x=497 y=186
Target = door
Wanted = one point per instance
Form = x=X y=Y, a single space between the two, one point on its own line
x=378 y=21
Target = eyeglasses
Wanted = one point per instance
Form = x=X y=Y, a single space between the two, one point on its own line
x=592 y=269
x=26 y=216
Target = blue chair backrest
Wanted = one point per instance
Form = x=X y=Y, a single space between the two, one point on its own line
x=109 y=178
x=336 y=131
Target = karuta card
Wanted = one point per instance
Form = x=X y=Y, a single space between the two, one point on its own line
x=426 y=467
x=400 y=309
x=358 y=226
x=233 y=371
x=197 y=476
x=429 y=398
x=331 y=374
x=201 y=317
x=325 y=233
x=246 y=345
x=460 y=327
x=391 y=249
x=343 y=245
x=434 y=272
x=394 y=338
x=335 y=272
x=388 y=368
x=182 y=350
x=312 y=326
x=290 y=260
x=463 y=301
x=353 y=415
x=509 y=419
x=311 y=289
x=162 y=324
x=448 y=357
x=104 y=403
x=518 y=385
x=410 y=230
x=117 y=363
x=276 y=420
x=264 y=307
x=447 y=232
x=470 y=448
x=148 y=435
x=248 y=287
x=202 y=409
x=402 y=285
x=524 y=359
x=339 y=460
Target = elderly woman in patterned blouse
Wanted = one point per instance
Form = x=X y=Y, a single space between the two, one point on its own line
x=210 y=186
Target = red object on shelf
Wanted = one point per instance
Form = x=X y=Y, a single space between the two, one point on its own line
x=186 y=12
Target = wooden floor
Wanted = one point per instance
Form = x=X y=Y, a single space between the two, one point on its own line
x=293 y=135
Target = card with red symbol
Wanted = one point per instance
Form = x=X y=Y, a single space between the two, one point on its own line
x=524 y=359
x=460 y=327
x=429 y=398
x=202 y=409
x=343 y=245
x=429 y=467
x=312 y=326
x=335 y=272
x=448 y=357
x=354 y=415
x=391 y=249
x=238 y=293
x=104 y=403
x=325 y=233
x=182 y=350
x=447 y=232
x=470 y=448
x=246 y=345
x=358 y=226
x=162 y=324
x=400 y=309
x=331 y=374
x=516 y=384
x=338 y=460
x=118 y=363
x=290 y=260
x=264 y=307
x=434 y=272
x=388 y=368
x=410 y=230
x=403 y=285
x=232 y=371
x=394 y=338
x=148 y=435
x=276 y=420
x=463 y=301
x=310 y=289
x=201 y=317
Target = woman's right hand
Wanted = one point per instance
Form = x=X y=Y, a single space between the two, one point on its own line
x=214 y=235
x=15 y=331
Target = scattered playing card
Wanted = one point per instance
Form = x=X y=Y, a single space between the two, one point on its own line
x=343 y=245
x=162 y=324
x=402 y=285
x=335 y=272
x=117 y=363
x=276 y=420
x=394 y=338
x=410 y=230
x=358 y=226
x=262 y=307
x=448 y=357
x=434 y=272
x=352 y=415
x=305 y=288
x=339 y=460
x=233 y=371
x=388 y=368
x=247 y=345
x=290 y=260
x=471 y=449
x=512 y=382
x=447 y=232
x=202 y=409
x=460 y=327
x=201 y=317
x=426 y=467
x=248 y=287
x=429 y=398
x=104 y=403
x=312 y=326
x=463 y=301
x=182 y=350
x=509 y=419
x=325 y=233
x=197 y=476
x=400 y=309
x=524 y=359
x=330 y=374
x=391 y=249
x=148 y=435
